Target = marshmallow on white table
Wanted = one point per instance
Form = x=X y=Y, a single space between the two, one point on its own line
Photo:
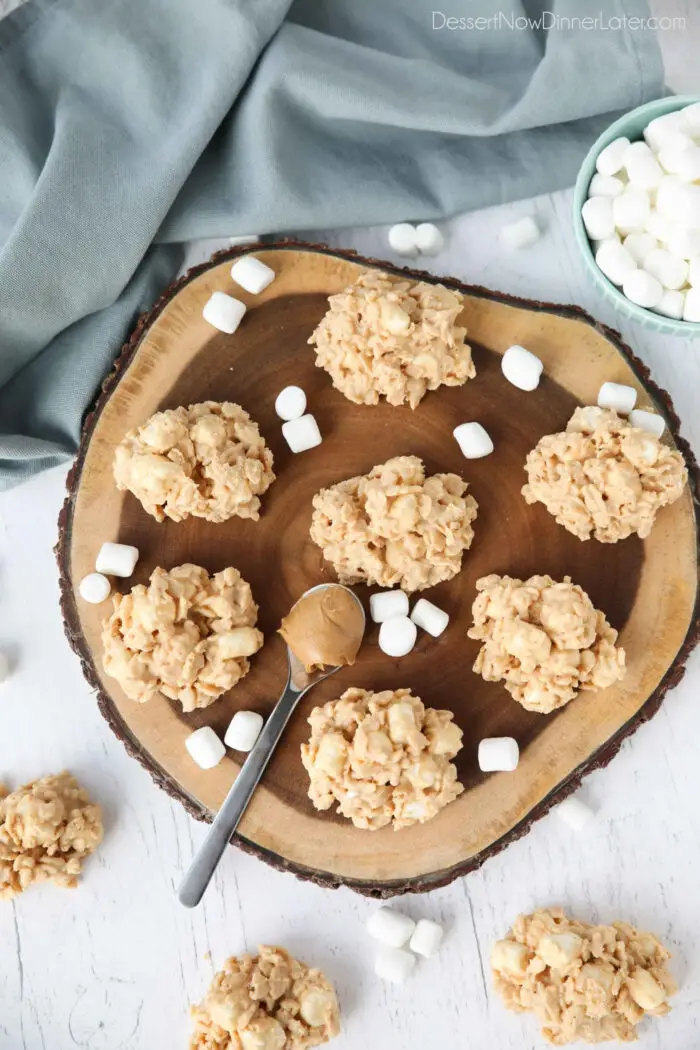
x=521 y=368
x=390 y=927
x=95 y=588
x=243 y=238
x=691 y=308
x=394 y=965
x=618 y=396
x=385 y=605
x=598 y=217
x=671 y=304
x=473 y=440
x=498 y=754
x=613 y=259
x=397 y=636
x=205 y=747
x=429 y=239
x=610 y=159
x=520 y=234
x=430 y=617
x=641 y=166
x=605 y=186
x=649 y=421
x=224 y=312
x=574 y=812
x=638 y=245
x=244 y=729
x=643 y=289
x=117 y=559
x=670 y=270
x=427 y=938
x=290 y=403
x=402 y=239
x=302 y=434
x=4 y=667
x=631 y=209
x=252 y=274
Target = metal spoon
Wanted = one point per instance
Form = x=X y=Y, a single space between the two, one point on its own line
x=228 y=818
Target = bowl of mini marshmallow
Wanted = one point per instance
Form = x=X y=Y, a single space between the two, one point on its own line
x=637 y=214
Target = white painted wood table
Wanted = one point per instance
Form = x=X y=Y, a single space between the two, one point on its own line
x=115 y=963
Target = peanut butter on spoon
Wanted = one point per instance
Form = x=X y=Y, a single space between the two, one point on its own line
x=325 y=627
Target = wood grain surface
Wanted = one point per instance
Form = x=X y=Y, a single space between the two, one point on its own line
x=648 y=591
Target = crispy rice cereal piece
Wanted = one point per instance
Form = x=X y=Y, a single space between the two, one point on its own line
x=270 y=1001
x=187 y=635
x=383 y=757
x=602 y=477
x=544 y=639
x=388 y=337
x=208 y=461
x=395 y=527
x=47 y=828
x=590 y=984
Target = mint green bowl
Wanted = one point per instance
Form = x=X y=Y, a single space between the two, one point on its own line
x=632 y=125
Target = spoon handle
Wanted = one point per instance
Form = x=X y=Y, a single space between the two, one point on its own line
x=203 y=866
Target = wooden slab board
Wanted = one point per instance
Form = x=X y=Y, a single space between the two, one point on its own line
x=649 y=590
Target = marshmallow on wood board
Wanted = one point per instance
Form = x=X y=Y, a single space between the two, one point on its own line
x=520 y=234
x=302 y=434
x=290 y=403
x=430 y=617
x=397 y=636
x=390 y=927
x=574 y=812
x=252 y=274
x=652 y=422
x=429 y=239
x=224 y=312
x=498 y=754
x=95 y=588
x=473 y=440
x=402 y=239
x=205 y=747
x=427 y=938
x=521 y=368
x=117 y=559
x=244 y=729
x=394 y=965
x=618 y=396
x=384 y=605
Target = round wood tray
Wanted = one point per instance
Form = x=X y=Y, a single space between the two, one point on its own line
x=648 y=590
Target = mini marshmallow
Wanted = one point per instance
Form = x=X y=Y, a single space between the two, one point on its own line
x=390 y=927
x=605 y=186
x=520 y=234
x=574 y=812
x=688 y=167
x=667 y=268
x=402 y=239
x=694 y=271
x=252 y=274
x=671 y=304
x=243 y=730
x=691 y=307
x=658 y=226
x=243 y=238
x=672 y=198
x=430 y=617
x=658 y=132
x=671 y=155
x=617 y=396
x=473 y=440
x=117 y=559
x=290 y=403
x=639 y=245
x=610 y=160
x=683 y=242
x=598 y=217
x=427 y=938
x=649 y=421
x=498 y=754
x=631 y=209
x=521 y=368
x=224 y=312
x=429 y=240
x=385 y=605
x=642 y=166
x=394 y=965
x=302 y=434
x=397 y=636
x=614 y=261
x=95 y=588
x=690 y=116
x=643 y=289
x=4 y=667
x=205 y=747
